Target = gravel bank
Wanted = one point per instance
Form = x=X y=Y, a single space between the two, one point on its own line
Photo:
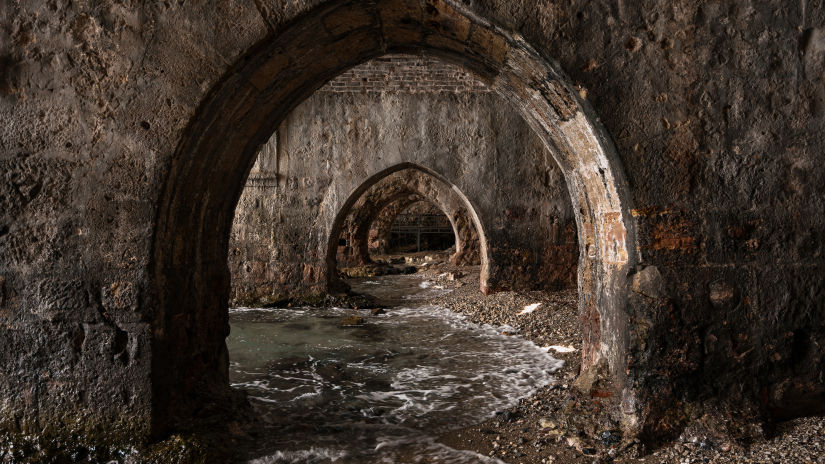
x=560 y=424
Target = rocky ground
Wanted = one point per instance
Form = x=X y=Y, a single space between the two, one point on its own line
x=570 y=421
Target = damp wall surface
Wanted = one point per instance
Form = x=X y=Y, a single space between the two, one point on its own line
x=715 y=110
x=441 y=120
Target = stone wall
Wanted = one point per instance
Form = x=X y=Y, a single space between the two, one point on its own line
x=129 y=129
x=333 y=142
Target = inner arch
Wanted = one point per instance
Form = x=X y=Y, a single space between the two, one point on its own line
x=412 y=179
x=465 y=237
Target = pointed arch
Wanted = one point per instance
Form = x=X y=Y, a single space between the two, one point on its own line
x=362 y=190
x=208 y=172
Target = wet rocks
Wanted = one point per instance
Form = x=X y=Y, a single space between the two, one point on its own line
x=570 y=422
x=547 y=423
x=351 y=300
x=376 y=269
x=455 y=275
x=506 y=416
x=353 y=321
x=610 y=437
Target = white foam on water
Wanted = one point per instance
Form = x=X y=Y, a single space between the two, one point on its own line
x=264 y=399
x=375 y=368
x=431 y=450
x=304 y=396
x=426 y=389
x=432 y=371
x=247 y=309
x=302 y=456
x=446 y=455
x=262 y=384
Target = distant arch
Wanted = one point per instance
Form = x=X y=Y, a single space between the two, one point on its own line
x=361 y=225
x=380 y=229
x=466 y=238
x=384 y=197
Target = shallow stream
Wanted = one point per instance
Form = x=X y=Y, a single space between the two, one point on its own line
x=381 y=392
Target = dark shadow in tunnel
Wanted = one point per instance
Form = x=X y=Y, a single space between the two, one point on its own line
x=392 y=191
x=419 y=227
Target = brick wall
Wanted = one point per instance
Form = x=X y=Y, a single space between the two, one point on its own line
x=405 y=73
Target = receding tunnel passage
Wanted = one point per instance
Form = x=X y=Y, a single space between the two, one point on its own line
x=401 y=348
x=420 y=227
x=656 y=220
x=204 y=181
x=376 y=206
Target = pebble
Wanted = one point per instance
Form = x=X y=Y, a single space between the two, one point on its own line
x=556 y=322
x=352 y=321
x=546 y=423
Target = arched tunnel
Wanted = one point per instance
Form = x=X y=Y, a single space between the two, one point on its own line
x=415 y=221
x=379 y=208
x=197 y=204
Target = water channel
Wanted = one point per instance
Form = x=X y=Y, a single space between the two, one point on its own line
x=381 y=392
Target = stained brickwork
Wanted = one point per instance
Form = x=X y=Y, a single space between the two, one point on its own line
x=408 y=74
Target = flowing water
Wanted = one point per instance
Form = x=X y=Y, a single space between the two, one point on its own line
x=381 y=392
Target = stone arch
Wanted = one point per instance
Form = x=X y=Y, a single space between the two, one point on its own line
x=379 y=233
x=398 y=183
x=360 y=231
x=208 y=171
x=360 y=244
x=466 y=237
x=359 y=221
